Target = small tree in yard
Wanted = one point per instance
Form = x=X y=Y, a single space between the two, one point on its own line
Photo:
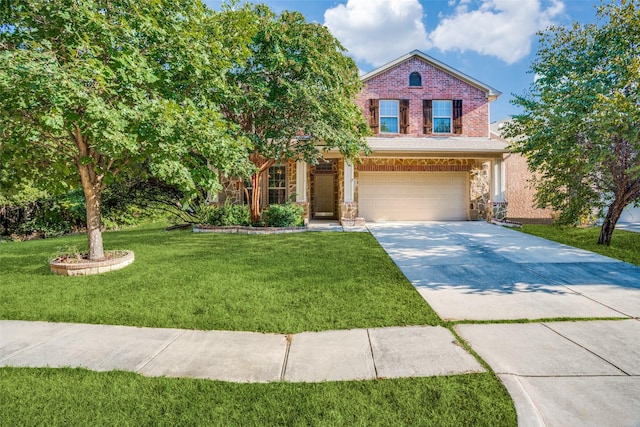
x=100 y=90
x=296 y=92
x=580 y=126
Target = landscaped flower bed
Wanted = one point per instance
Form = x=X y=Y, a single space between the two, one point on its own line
x=79 y=265
x=239 y=229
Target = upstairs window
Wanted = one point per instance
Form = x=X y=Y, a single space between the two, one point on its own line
x=389 y=116
x=438 y=116
x=441 y=116
x=415 y=79
x=389 y=110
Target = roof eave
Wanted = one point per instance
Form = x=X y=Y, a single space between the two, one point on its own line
x=492 y=93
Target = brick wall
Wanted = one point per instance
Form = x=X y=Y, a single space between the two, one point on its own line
x=520 y=192
x=436 y=84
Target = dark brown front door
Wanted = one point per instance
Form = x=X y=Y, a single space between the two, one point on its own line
x=324 y=200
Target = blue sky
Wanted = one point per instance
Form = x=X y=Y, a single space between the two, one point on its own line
x=493 y=41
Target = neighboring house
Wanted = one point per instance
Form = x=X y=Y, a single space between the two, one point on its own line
x=519 y=189
x=432 y=157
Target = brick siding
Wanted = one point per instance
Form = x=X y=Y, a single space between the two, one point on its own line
x=436 y=85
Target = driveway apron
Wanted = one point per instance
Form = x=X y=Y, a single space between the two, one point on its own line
x=558 y=373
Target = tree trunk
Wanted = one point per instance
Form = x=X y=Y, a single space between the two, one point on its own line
x=92 y=194
x=609 y=224
x=92 y=188
x=254 y=203
x=263 y=164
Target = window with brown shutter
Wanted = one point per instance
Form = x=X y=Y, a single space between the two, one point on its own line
x=457 y=116
x=374 y=121
x=427 y=122
x=404 y=116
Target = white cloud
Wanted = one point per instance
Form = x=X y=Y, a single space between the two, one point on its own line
x=378 y=31
x=501 y=28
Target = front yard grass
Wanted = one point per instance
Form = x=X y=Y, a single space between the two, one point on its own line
x=284 y=283
x=280 y=283
x=80 y=397
x=625 y=245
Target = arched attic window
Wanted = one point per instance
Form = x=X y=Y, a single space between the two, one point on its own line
x=415 y=79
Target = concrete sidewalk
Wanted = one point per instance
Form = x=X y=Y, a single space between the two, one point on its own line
x=356 y=354
x=565 y=373
x=558 y=373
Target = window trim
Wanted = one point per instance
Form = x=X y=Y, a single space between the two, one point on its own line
x=449 y=117
x=282 y=188
x=396 y=116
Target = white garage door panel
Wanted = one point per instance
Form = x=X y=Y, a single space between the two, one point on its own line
x=413 y=196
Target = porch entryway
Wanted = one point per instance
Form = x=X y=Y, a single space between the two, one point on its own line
x=323 y=190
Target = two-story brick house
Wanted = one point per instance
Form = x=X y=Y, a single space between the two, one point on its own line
x=432 y=156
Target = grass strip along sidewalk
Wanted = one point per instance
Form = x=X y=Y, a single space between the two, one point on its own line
x=279 y=283
x=80 y=397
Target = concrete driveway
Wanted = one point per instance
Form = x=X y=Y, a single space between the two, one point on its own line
x=480 y=271
x=629 y=226
x=558 y=373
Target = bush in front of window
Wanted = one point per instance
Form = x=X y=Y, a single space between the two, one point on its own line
x=225 y=215
x=287 y=215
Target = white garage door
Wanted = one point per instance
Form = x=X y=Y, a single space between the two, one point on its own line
x=413 y=196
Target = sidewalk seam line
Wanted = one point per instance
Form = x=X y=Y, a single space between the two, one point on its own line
x=373 y=358
x=585 y=348
x=161 y=350
x=283 y=371
x=36 y=345
x=597 y=302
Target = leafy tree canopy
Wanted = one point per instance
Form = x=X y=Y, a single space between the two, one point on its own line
x=294 y=97
x=99 y=90
x=580 y=124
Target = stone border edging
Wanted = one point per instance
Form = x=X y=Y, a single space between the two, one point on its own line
x=248 y=230
x=91 y=267
x=506 y=223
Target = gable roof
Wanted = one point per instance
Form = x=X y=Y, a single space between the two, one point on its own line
x=492 y=93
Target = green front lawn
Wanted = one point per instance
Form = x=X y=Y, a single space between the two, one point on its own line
x=281 y=283
x=284 y=283
x=85 y=398
x=625 y=245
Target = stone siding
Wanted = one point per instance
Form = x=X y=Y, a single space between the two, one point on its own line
x=480 y=195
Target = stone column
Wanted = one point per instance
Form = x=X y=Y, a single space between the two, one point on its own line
x=301 y=181
x=348 y=181
x=349 y=207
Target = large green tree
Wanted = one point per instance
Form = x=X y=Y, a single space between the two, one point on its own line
x=295 y=96
x=580 y=124
x=93 y=91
